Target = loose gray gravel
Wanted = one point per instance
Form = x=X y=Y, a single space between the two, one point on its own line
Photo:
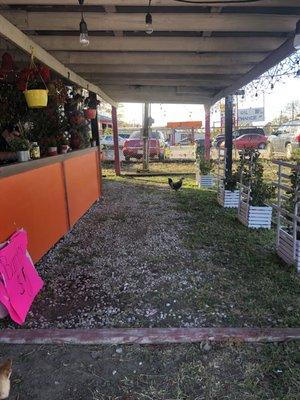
x=124 y=264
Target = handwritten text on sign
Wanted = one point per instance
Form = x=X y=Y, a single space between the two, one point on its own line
x=19 y=281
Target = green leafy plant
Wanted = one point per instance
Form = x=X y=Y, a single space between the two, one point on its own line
x=251 y=171
x=52 y=141
x=20 y=144
x=231 y=181
x=205 y=166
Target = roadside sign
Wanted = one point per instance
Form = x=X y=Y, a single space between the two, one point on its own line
x=251 y=114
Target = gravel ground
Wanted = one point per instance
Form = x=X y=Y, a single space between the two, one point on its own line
x=124 y=264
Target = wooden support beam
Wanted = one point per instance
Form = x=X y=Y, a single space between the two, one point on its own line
x=166 y=44
x=156 y=95
x=119 y=58
x=29 y=21
x=161 y=69
x=116 y=140
x=14 y=35
x=262 y=3
x=160 y=82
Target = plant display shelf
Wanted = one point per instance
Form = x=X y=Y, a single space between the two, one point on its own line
x=254 y=217
x=288 y=223
x=226 y=198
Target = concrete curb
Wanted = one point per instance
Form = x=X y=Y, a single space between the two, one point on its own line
x=147 y=335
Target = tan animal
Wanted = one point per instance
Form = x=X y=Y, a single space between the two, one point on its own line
x=5 y=372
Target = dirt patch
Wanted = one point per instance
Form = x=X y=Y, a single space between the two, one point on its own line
x=185 y=372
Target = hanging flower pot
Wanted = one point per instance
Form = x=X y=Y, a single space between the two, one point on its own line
x=90 y=113
x=36 y=91
x=36 y=98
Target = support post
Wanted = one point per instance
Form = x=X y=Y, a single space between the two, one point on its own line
x=94 y=122
x=146 y=137
x=207 y=132
x=228 y=133
x=96 y=134
x=116 y=140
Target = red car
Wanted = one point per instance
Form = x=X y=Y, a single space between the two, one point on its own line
x=249 y=141
x=133 y=146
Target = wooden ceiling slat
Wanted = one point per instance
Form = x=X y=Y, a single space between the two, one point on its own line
x=262 y=3
x=117 y=58
x=166 y=44
x=162 y=22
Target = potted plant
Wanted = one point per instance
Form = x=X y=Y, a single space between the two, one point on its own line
x=204 y=177
x=21 y=146
x=90 y=111
x=288 y=236
x=52 y=146
x=228 y=192
x=32 y=82
x=254 y=192
x=63 y=144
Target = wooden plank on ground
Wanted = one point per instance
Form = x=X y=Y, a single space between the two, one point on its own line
x=146 y=335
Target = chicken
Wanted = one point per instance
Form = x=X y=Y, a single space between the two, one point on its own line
x=5 y=372
x=175 y=185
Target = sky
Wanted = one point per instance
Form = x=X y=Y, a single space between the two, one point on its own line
x=282 y=94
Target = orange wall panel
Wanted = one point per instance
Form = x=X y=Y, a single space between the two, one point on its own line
x=34 y=200
x=82 y=183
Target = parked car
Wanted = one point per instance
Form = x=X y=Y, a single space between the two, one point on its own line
x=249 y=141
x=237 y=133
x=285 y=139
x=108 y=141
x=133 y=147
x=124 y=135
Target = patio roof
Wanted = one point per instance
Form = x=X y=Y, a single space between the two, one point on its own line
x=197 y=53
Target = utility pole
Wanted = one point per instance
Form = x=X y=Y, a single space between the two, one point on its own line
x=146 y=137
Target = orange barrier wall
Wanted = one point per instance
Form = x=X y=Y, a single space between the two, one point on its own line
x=48 y=199
x=82 y=184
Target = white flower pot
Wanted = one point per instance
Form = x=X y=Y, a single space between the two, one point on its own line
x=206 y=181
x=285 y=248
x=23 y=155
x=52 y=151
x=255 y=216
x=227 y=198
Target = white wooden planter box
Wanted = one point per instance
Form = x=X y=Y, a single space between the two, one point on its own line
x=227 y=198
x=285 y=248
x=255 y=217
x=206 y=181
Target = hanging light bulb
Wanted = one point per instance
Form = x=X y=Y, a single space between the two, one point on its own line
x=148 y=21
x=297 y=36
x=149 y=27
x=83 y=30
x=84 y=34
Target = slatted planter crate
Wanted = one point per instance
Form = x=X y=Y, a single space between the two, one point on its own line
x=288 y=220
x=255 y=217
x=206 y=181
x=227 y=198
x=285 y=248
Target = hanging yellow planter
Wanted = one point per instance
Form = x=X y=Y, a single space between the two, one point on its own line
x=36 y=98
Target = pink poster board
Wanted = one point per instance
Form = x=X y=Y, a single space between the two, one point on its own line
x=19 y=281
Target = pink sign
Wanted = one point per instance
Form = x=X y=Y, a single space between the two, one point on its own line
x=19 y=281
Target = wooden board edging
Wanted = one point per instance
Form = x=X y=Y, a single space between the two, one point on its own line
x=147 y=335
